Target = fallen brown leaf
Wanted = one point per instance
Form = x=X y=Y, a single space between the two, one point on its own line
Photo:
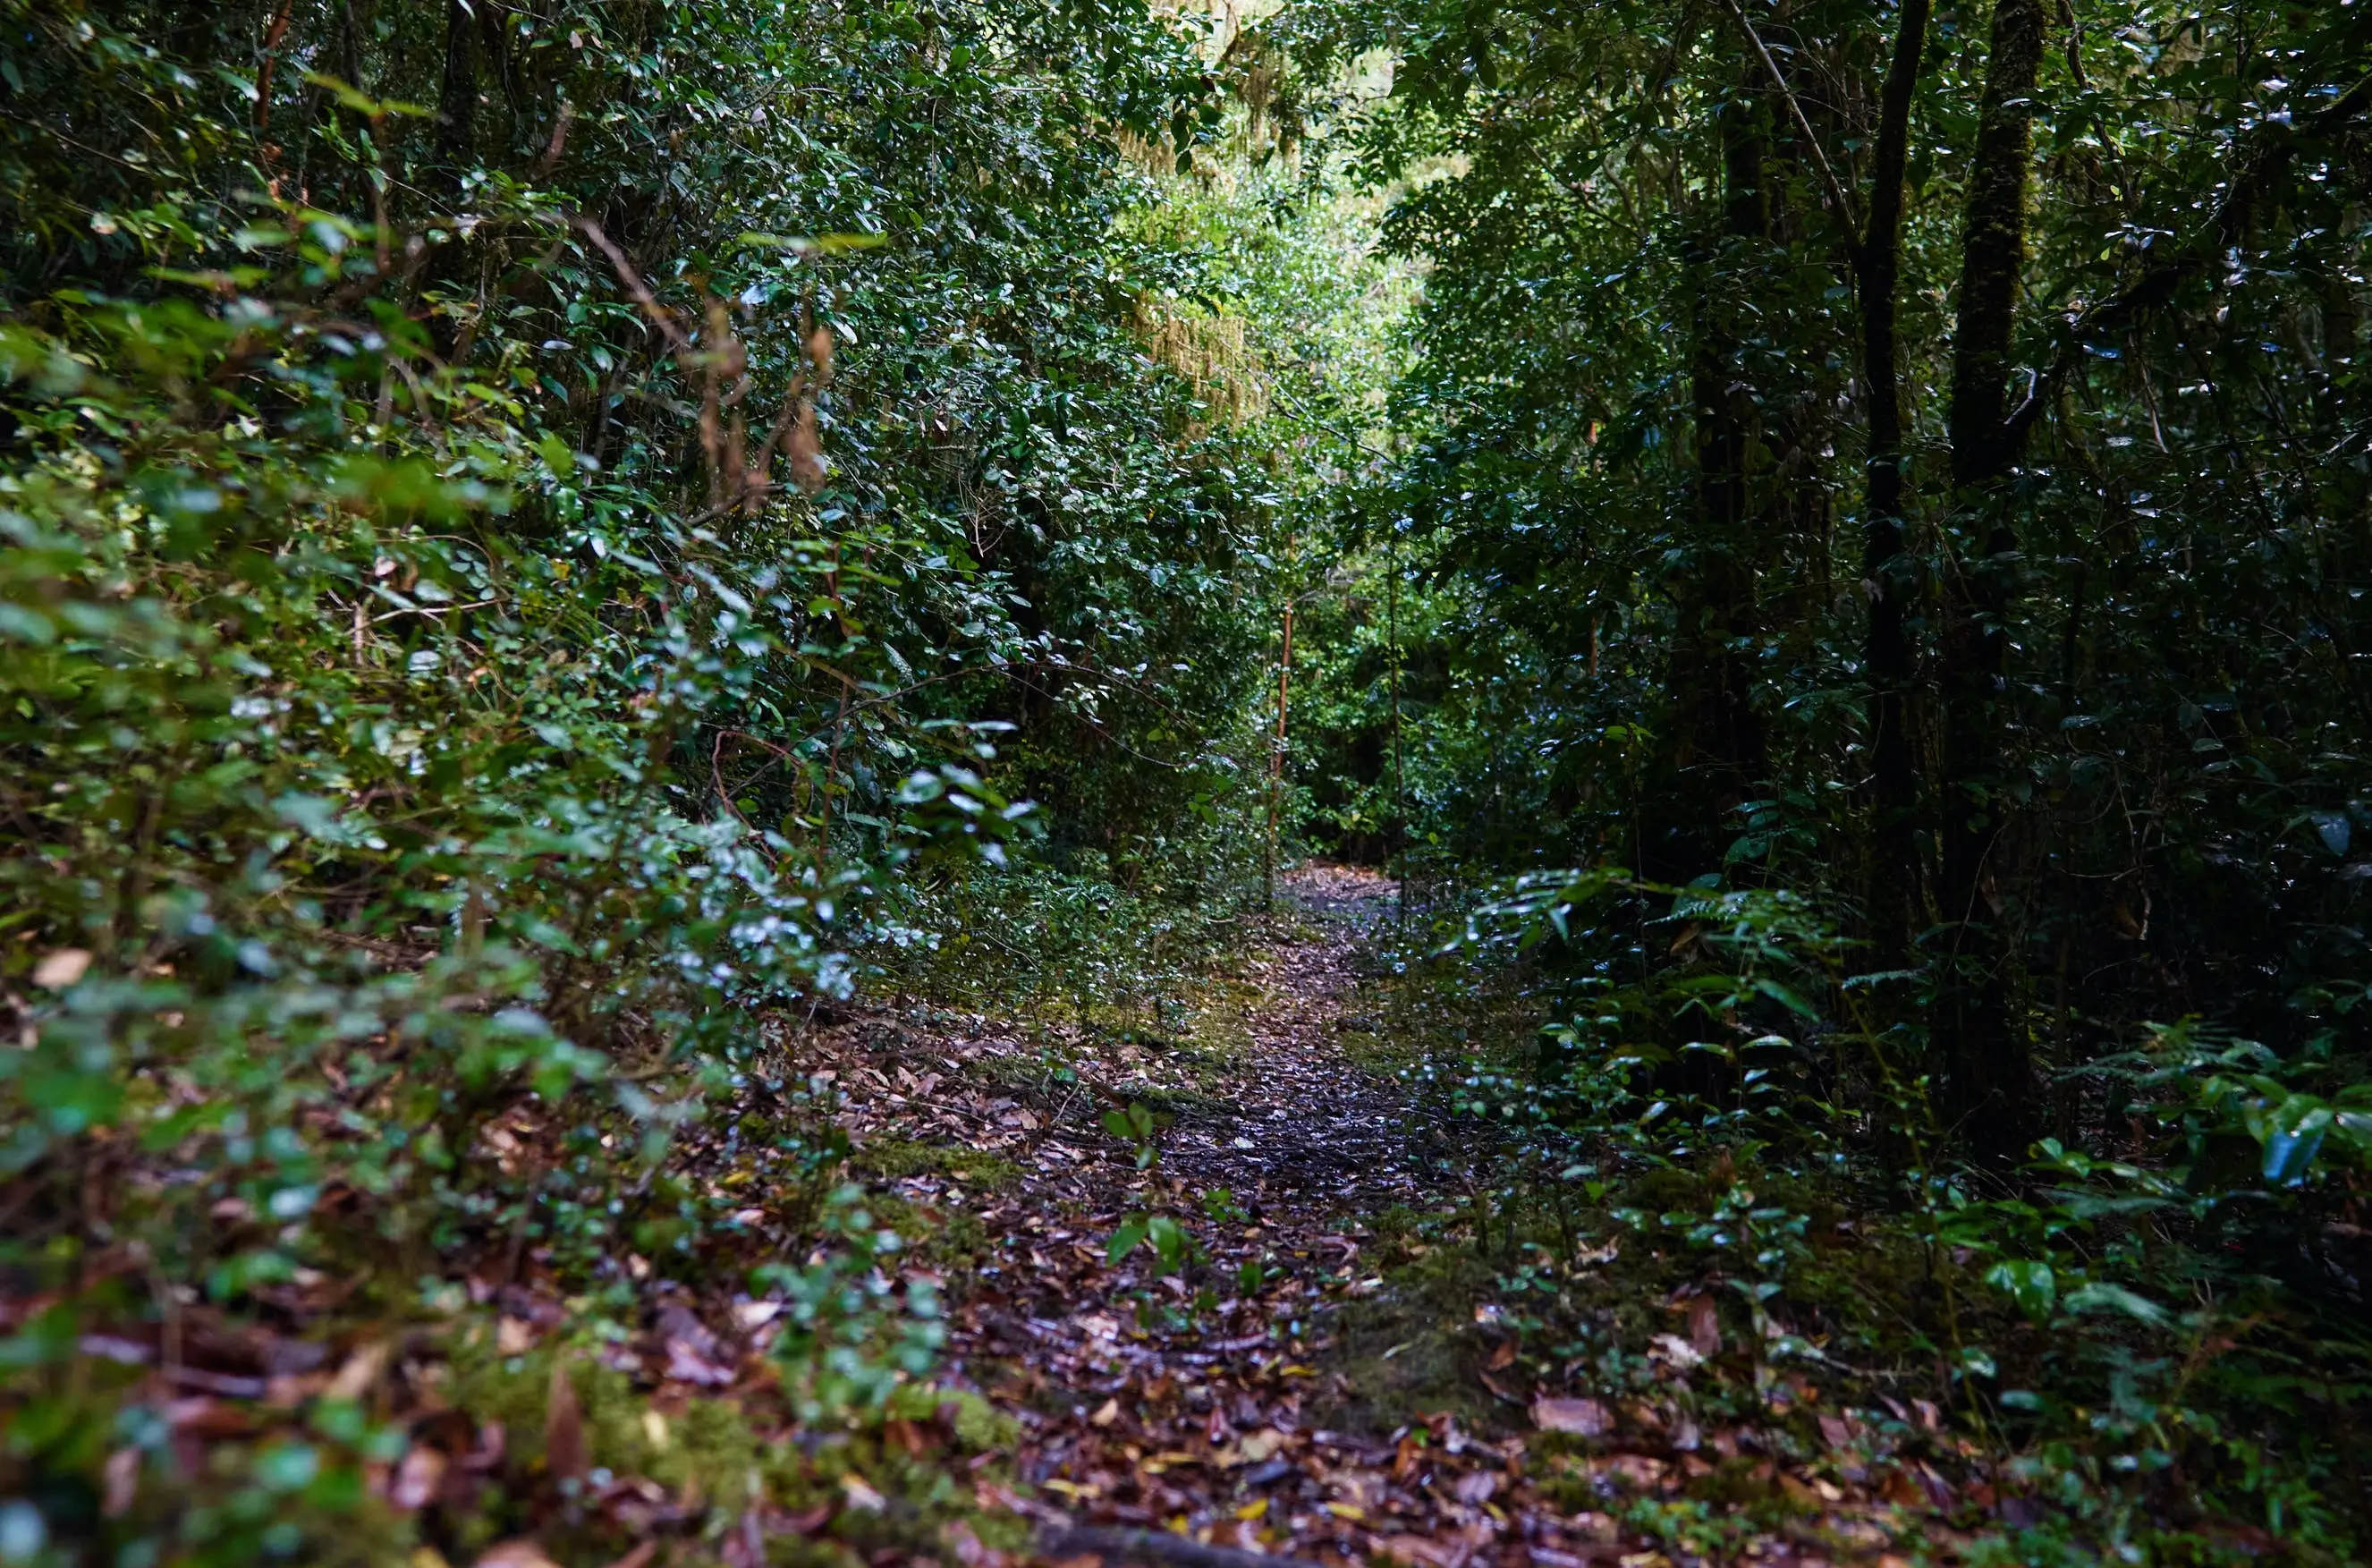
x=418 y=1478
x=1586 y=1417
x=1704 y=1326
x=360 y=1374
x=122 y=1474
x=58 y=969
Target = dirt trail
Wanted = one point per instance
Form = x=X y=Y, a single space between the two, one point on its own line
x=1203 y=1398
x=1192 y=1400
x=1304 y=1130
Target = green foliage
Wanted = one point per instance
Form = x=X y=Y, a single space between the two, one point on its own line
x=1137 y=1126
x=1164 y=1237
x=1611 y=647
x=1076 y=942
x=2156 y=1340
x=844 y=1344
x=539 y=543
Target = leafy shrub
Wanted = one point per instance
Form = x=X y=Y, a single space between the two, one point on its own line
x=506 y=569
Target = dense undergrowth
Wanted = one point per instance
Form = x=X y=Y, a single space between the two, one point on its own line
x=1882 y=487
x=542 y=547
x=1722 y=1213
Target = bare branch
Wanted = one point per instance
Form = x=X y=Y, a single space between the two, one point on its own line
x=633 y=281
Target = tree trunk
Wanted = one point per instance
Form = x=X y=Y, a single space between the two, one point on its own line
x=457 y=102
x=1992 y=249
x=1985 y=1061
x=1896 y=907
x=1716 y=755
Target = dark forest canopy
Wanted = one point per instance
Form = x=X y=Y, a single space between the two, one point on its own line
x=550 y=550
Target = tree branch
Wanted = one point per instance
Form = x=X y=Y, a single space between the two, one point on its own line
x=634 y=285
x=1838 y=199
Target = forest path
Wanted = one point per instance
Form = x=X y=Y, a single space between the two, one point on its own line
x=1191 y=1395
x=1323 y=1367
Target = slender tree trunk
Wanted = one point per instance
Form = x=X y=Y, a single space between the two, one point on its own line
x=1895 y=903
x=1992 y=249
x=456 y=101
x=1987 y=1070
x=1715 y=754
x=1731 y=735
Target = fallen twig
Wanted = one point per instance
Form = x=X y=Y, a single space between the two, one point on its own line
x=1154 y=1546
